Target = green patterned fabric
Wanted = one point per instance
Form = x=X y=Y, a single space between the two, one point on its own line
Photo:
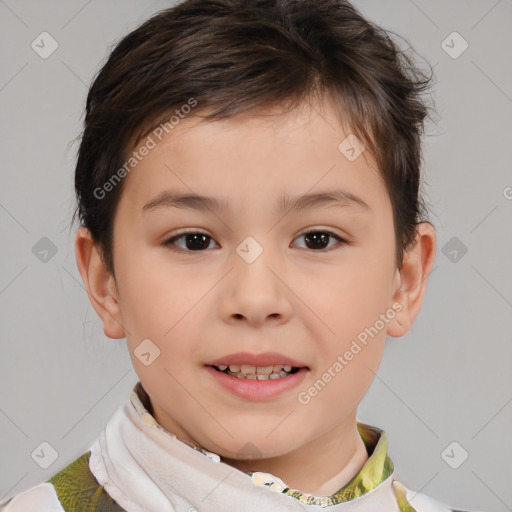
x=403 y=504
x=78 y=490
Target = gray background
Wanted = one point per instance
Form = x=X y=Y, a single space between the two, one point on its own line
x=447 y=380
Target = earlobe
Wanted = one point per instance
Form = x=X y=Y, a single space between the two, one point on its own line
x=411 y=281
x=99 y=283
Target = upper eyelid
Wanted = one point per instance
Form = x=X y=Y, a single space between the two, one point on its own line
x=192 y=231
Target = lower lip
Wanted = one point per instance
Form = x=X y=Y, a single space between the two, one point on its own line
x=254 y=389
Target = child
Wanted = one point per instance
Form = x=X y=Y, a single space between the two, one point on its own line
x=248 y=190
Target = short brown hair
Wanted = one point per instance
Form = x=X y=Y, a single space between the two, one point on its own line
x=234 y=56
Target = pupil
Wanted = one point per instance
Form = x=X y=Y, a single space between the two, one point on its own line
x=317 y=238
x=196 y=237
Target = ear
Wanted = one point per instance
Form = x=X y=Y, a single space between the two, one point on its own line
x=411 y=280
x=99 y=283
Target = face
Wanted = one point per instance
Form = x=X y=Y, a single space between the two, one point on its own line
x=257 y=277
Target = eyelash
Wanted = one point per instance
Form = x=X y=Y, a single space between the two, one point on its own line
x=170 y=242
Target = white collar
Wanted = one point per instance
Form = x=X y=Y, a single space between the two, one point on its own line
x=147 y=469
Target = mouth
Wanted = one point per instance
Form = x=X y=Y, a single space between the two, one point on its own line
x=245 y=371
x=257 y=376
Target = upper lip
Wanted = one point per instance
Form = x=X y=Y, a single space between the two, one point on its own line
x=263 y=359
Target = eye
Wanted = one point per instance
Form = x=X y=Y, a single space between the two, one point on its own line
x=195 y=241
x=318 y=240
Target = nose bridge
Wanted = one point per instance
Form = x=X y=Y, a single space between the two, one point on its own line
x=253 y=258
x=254 y=288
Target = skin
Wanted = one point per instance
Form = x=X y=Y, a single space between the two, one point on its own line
x=300 y=300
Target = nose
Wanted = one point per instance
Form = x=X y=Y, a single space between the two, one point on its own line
x=256 y=292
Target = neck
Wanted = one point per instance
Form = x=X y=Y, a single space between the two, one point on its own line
x=331 y=461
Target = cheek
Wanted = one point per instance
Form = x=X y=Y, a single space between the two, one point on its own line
x=159 y=359
x=155 y=295
x=351 y=305
x=341 y=380
x=348 y=300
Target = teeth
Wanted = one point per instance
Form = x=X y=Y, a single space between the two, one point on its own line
x=246 y=371
x=264 y=370
x=242 y=376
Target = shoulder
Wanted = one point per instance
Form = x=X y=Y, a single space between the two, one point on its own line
x=73 y=489
x=410 y=501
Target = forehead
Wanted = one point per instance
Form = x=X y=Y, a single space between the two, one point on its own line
x=253 y=160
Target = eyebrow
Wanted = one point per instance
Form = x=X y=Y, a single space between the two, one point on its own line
x=285 y=204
